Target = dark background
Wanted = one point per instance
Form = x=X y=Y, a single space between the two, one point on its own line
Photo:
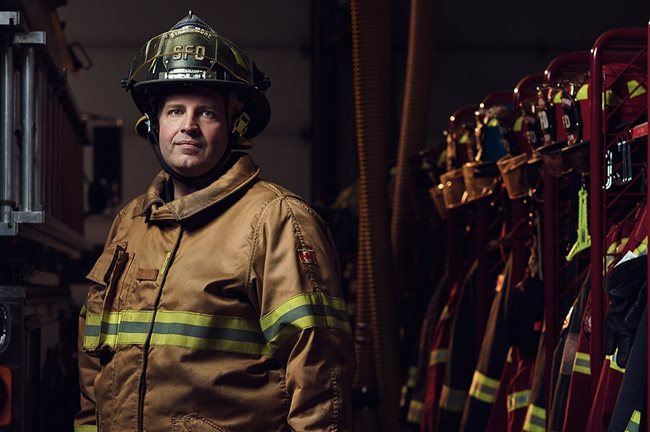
x=304 y=47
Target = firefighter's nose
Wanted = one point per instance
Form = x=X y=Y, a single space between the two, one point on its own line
x=189 y=125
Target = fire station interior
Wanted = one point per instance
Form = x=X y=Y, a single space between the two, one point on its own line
x=482 y=168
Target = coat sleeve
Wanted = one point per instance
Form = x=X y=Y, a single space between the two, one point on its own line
x=85 y=420
x=294 y=279
x=88 y=368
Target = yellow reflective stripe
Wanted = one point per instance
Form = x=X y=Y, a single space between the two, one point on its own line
x=557 y=98
x=535 y=419
x=304 y=311
x=165 y=266
x=516 y=400
x=452 y=400
x=581 y=363
x=611 y=254
x=583 y=93
x=612 y=363
x=635 y=421
x=213 y=332
x=206 y=320
x=518 y=126
x=174 y=328
x=208 y=344
x=438 y=356
x=300 y=300
x=91 y=342
x=412 y=377
x=537 y=411
x=85 y=428
x=484 y=388
x=614 y=366
x=493 y=122
x=464 y=139
x=609 y=98
x=529 y=427
x=642 y=248
x=177 y=317
x=181 y=341
x=83 y=311
x=624 y=241
x=612 y=248
x=415 y=412
x=96 y=319
x=635 y=88
x=306 y=323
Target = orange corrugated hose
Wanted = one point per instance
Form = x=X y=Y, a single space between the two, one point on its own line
x=377 y=331
x=413 y=128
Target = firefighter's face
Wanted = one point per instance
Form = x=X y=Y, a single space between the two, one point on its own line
x=193 y=130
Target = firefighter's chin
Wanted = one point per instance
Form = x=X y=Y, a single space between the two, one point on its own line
x=188 y=164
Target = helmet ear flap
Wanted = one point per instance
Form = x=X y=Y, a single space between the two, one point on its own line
x=145 y=126
x=240 y=125
x=142 y=126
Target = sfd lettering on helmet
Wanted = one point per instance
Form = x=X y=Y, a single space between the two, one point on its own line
x=182 y=51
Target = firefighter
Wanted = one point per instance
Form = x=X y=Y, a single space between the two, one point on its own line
x=215 y=304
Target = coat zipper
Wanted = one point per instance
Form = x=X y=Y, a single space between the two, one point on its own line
x=145 y=348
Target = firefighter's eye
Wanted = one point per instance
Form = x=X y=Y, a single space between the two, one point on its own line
x=209 y=114
x=174 y=112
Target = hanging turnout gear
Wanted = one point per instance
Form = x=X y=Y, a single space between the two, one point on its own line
x=192 y=54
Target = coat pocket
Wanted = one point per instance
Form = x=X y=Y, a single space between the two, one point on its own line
x=101 y=325
x=194 y=423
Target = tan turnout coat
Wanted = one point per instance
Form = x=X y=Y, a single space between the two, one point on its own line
x=218 y=311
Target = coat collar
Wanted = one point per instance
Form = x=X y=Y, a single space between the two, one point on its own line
x=242 y=171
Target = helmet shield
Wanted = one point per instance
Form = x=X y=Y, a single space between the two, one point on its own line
x=190 y=53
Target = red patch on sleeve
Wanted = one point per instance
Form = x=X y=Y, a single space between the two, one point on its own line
x=307 y=256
